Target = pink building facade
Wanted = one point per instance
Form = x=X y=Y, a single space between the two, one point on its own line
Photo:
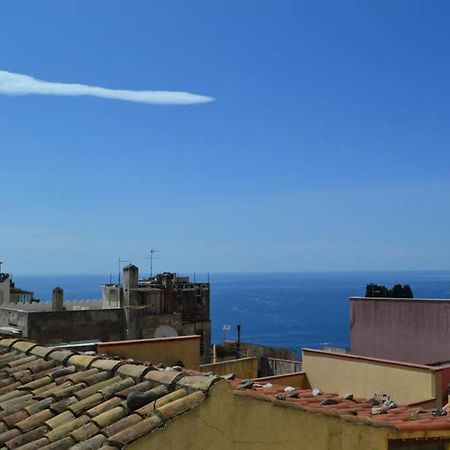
x=410 y=330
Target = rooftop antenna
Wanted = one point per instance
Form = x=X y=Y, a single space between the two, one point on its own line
x=120 y=262
x=152 y=252
x=226 y=329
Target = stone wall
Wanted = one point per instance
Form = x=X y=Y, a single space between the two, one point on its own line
x=69 y=326
x=277 y=366
x=267 y=352
x=152 y=322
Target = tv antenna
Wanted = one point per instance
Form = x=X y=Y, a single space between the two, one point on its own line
x=151 y=257
x=120 y=263
x=226 y=330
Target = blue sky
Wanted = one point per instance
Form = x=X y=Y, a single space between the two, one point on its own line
x=326 y=148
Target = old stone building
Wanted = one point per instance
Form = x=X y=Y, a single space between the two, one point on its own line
x=163 y=306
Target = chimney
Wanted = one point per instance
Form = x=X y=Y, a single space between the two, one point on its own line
x=57 y=299
x=130 y=301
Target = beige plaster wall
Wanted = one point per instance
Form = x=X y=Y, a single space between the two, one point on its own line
x=167 y=350
x=242 y=368
x=228 y=422
x=406 y=384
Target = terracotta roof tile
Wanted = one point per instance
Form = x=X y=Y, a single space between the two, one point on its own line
x=109 y=417
x=95 y=388
x=85 y=404
x=56 y=399
x=85 y=432
x=8 y=343
x=66 y=428
x=135 y=431
x=34 y=421
x=122 y=424
x=181 y=405
x=59 y=419
x=82 y=361
x=93 y=443
x=198 y=382
x=132 y=370
x=61 y=444
x=106 y=364
x=62 y=356
x=140 y=387
x=41 y=351
x=401 y=418
x=164 y=377
x=23 y=346
x=25 y=438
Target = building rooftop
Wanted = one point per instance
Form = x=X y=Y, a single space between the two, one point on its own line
x=356 y=410
x=54 y=398
x=57 y=399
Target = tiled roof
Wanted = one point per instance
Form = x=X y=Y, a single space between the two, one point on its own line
x=58 y=399
x=357 y=410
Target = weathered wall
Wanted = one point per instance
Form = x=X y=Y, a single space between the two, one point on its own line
x=277 y=366
x=168 y=351
x=267 y=351
x=363 y=377
x=414 y=331
x=13 y=317
x=202 y=329
x=152 y=322
x=5 y=287
x=298 y=379
x=242 y=368
x=228 y=422
x=66 y=326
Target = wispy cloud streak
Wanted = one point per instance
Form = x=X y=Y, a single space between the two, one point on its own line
x=18 y=84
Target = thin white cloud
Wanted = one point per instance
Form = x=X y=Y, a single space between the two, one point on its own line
x=18 y=84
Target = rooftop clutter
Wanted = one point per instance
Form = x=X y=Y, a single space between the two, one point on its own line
x=380 y=410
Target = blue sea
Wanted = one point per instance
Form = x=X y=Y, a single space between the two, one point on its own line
x=291 y=310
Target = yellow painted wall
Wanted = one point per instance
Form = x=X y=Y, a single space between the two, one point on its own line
x=331 y=372
x=297 y=379
x=228 y=422
x=167 y=350
x=242 y=368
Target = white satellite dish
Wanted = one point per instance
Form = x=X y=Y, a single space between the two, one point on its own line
x=165 y=331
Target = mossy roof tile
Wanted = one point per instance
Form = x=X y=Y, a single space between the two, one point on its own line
x=55 y=399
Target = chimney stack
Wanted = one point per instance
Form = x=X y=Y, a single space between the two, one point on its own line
x=58 y=299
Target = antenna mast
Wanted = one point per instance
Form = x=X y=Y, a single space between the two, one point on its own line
x=120 y=262
x=152 y=251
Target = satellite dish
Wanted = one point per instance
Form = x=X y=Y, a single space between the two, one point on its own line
x=165 y=331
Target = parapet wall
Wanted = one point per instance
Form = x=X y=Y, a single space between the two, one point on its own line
x=364 y=377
